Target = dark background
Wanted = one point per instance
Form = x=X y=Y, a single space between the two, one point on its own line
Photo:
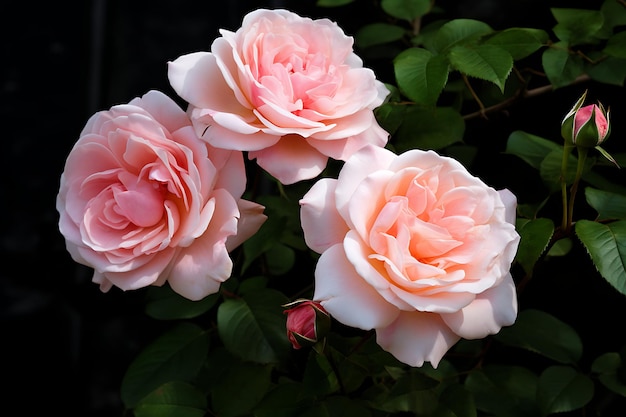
x=65 y=344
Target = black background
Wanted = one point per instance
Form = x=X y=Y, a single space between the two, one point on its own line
x=65 y=344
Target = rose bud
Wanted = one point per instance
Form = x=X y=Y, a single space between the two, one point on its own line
x=586 y=126
x=307 y=322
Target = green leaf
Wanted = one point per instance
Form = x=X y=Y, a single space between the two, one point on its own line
x=459 y=31
x=173 y=399
x=280 y=259
x=614 y=14
x=606 y=244
x=609 y=70
x=519 y=42
x=608 y=205
x=429 y=128
x=408 y=10
x=561 y=67
x=542 y=333
x=504 y=391
x=562 y=389
x=606 y=366
x=413 y=392
x=577 y=26
x=177 y=355
x=284 y=400
x=535 y=236
x=421 y=75
x=530 y=148
x=616 y=45
x=456 y=401
x=337 y=406
x=486 y=62
x=319 y=376
x=240 y=389
x=550 y=169
x=164 y=304
x=258 y=319
x=377 y=34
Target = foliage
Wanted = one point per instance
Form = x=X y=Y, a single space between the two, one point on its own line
x=228 y=355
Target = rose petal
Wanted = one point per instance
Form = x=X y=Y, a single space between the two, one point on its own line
x=345 y=295
x=415 y=338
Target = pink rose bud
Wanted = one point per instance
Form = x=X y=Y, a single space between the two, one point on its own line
x=307 y=322
x=586 y=126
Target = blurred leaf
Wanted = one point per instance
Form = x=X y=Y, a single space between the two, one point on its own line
x=421 y=75
x=429 y=128
x=241 y=388
x=254 y=327
x=164 y=304
x=377 y=34
x=550 y=169
x=176 y=355
x=616 y=45
x=606 y=366
x=504 y=391
x=561 y=67
x=459 y=31
x=280 y=259
x=173 y=399
x=542 y=333
x=606 y=244
x=608 y=205
x=391 y=115
x=561 y=247
x=284 y=400
x=319 y=376
x=577 y=26
x=562 y=389
x=456 y=401
x=614 y=14
x=535 y=236
x=408 y=10
x=519 y=42
x=412 y=392
x=337 y=406
x=486 y=62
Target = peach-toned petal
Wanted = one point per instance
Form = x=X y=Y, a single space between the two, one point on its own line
x=321 y=223
x=345 y=295
x=415 y=338
x=251 y=218
x=487 y=314
x=290 y=160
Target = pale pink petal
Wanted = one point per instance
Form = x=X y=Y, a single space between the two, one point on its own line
x=510 y=203
x=367 y=160
x=487 y=314
x=251 y=218
x=200 y=268
x=415 y=338
x=163 y=109
x=321 y=223
x=290 y=160
x=342 y=149
x=345 y=295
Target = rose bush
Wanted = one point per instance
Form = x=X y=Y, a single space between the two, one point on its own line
x=415 y=247
x=143 y=200
x=287 y=89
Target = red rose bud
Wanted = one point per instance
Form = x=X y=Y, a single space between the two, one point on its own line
x=307 y=322
x=586 y=127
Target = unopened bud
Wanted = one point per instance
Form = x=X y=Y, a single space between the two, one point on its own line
x=307 y=322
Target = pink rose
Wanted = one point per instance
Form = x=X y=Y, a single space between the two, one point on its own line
x=414 y=247
x=287 y=89
x=142 y=200
x=307 y=322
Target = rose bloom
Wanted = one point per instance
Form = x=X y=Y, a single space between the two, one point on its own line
x=287 y=89
x=143 y=200
x=415 y=247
